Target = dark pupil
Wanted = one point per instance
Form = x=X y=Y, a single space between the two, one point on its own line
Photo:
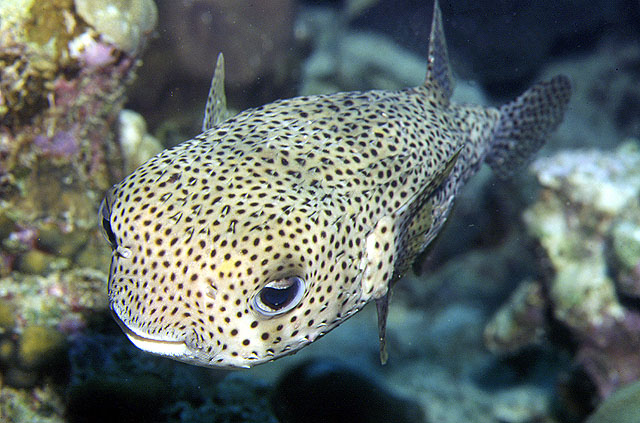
x=276 y=298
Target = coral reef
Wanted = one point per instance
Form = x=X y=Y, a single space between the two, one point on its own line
x=587 y=221
x=62 y=86
x=64 y=68
x=64 y=138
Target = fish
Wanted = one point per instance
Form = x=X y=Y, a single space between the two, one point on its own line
x=272 y=227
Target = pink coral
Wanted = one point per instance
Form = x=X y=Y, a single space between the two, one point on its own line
x=98 y=55
x=62 y=144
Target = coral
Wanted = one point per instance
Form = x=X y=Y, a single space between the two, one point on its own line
x=586 y=220
x=41 y=405
x=625 y=241
x=62 y=85
x=124 y=23
x=64 y=67
x=137 y=145
x=34 y=262
x=521 y=322
x=55 y=298
x=7 y=316
x=32 y=356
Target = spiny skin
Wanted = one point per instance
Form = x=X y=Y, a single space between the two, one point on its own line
x=268 y=230
x=291 y=188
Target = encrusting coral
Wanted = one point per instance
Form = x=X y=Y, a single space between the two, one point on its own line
x=64 y=69
x=587 y=221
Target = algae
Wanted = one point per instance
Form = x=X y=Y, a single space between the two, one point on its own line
x=39 y=345
x=51 y=25
x=7 y=316
x=34 y=262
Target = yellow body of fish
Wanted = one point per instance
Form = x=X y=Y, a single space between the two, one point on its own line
x=272 y=227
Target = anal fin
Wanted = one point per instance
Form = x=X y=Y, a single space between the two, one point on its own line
x=382 y=307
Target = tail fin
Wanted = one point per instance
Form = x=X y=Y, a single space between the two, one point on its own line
x=526 y=122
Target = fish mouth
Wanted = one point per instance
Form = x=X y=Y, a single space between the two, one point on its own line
x=177 y=349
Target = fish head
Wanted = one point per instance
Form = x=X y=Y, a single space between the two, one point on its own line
x=226 y=278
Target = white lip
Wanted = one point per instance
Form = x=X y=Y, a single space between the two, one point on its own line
x=160 y=347
x=163 y=347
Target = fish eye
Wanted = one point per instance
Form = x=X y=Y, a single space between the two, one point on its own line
x=279 y=296
x=105 y=219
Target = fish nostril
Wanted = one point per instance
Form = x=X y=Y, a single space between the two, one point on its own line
x=123 y=252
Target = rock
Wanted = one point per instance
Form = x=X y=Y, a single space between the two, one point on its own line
x=621 y=407
x=327 y=391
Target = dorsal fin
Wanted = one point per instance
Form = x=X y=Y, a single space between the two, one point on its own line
x=438 y=71
x=216 y=108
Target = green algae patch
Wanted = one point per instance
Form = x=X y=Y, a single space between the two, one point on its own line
x=52 y=239
x=34 y=262
x=7 y=316
x=39 y=346
x=51 y=23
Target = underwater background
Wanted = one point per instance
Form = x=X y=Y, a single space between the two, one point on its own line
x=525 y=310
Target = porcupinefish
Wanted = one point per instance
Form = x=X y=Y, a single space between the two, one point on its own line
x=272 y=227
